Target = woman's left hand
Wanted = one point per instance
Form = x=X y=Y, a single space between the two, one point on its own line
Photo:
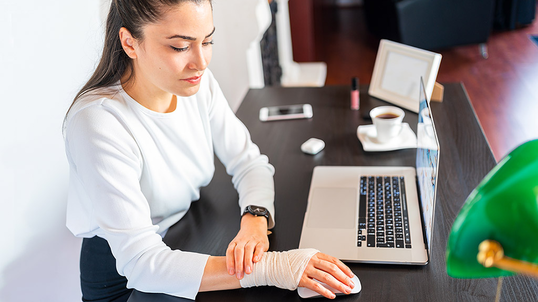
x=248 y=246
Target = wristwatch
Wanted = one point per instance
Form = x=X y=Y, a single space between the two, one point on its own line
x=257 y=211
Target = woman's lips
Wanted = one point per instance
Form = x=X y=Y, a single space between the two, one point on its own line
x=193 y=80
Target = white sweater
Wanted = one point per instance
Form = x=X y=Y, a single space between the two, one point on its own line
x=134 y=172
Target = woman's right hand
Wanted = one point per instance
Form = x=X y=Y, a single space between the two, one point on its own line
x=330 y=271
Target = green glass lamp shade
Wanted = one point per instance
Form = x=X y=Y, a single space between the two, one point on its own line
x=504 y=208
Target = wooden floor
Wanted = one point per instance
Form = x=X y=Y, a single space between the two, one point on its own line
x=503 y=89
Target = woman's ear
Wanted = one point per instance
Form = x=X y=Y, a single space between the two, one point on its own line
x=127 y=42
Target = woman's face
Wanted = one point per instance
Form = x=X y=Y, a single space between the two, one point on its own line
x=176 y=50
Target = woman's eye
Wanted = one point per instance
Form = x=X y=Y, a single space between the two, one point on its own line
x=182 y=49
x=179 y=49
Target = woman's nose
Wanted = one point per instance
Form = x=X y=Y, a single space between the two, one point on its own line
x=199 y=59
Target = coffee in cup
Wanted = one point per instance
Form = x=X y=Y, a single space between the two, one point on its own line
x=387 y=121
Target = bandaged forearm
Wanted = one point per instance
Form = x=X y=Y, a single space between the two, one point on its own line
x=280 y=269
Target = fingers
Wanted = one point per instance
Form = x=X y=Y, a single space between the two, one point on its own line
x=258 y=252
x=234 y=259
x=318 y=288
x=346 y=270
x=248 y=255
x=241 y=256
x=330 y=271
x=334 y=270
x=238 y=258
x=230 y=253
x=245 y=250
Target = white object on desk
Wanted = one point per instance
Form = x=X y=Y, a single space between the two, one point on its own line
x=308 y=293
x=313 y=146
x=387 y=121
x=276 y=113
x=405 y=140
x=397 y=72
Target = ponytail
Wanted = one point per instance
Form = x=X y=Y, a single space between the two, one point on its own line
x=114 y=61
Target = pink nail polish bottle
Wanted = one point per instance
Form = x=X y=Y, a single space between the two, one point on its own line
x=355 y=94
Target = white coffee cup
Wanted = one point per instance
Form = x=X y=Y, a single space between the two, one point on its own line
x=387 y=121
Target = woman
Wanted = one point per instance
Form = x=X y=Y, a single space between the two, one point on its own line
x=140 y=138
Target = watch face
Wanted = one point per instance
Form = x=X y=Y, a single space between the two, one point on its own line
x=258 y=210
x=255 y=210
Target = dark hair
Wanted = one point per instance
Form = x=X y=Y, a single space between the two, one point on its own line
x=133 y=15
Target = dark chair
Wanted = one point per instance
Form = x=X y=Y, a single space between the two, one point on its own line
x=431 y=24
x=509 y=14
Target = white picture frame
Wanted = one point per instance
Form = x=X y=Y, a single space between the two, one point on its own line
x=397 y=71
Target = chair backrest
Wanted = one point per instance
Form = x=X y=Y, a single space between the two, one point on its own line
x=431 y=24
x=436 y=24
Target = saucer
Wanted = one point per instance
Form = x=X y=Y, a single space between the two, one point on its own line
x=405 y=140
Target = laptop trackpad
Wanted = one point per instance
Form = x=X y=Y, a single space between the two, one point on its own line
x=333 y=208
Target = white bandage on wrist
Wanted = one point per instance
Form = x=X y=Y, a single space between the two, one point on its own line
x=280 y=269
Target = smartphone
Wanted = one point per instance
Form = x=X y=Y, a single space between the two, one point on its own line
x=285 y=112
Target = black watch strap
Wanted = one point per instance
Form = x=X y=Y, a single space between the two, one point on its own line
x=257 y=211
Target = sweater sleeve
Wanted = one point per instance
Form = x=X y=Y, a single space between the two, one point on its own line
x=252 y=175
x=107 y=162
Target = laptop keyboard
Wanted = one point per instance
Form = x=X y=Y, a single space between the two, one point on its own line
x=383 y=220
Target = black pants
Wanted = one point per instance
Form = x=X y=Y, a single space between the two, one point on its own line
x=99 y=279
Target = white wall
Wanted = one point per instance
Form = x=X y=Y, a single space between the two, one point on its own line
x=47 y=52
x=236 y=28
x=48 y=49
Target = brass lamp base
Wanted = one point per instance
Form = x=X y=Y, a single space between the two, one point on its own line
x=491 y=254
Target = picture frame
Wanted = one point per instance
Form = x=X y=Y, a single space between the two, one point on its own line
x=397 y=71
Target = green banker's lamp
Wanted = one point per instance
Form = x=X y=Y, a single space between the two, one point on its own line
x=495 y=233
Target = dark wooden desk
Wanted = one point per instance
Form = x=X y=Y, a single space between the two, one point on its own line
x=213 y=221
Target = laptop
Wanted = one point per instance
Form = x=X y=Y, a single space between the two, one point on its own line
x=377 y=214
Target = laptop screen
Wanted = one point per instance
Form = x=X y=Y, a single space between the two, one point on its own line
x=427 y=162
